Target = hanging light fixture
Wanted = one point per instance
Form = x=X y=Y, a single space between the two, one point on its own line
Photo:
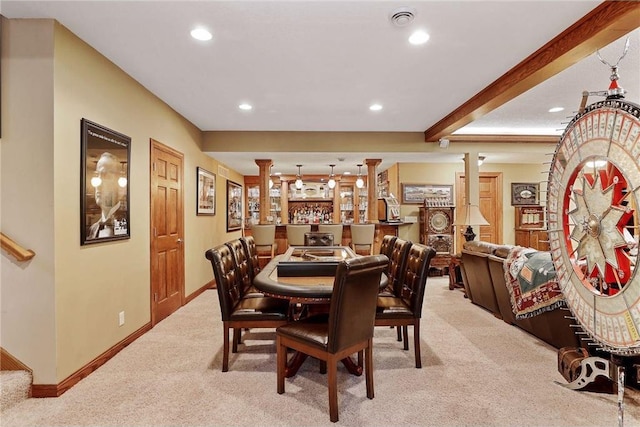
x=299 y=179
x=332 y=181
x=359 y=181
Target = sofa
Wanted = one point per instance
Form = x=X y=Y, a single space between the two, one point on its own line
x=482 y=265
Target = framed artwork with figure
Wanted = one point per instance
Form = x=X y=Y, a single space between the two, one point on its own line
x=234 y=206
x=104 y=184
x=206 y=192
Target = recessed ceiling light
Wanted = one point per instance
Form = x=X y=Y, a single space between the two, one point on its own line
x=419 y=37
x=556 y=109
x=245 y=107
x=201 y=34
x=375 y=107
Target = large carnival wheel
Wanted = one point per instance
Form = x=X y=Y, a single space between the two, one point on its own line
x=593 y=194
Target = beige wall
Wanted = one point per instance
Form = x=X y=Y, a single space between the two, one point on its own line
x=60 y=310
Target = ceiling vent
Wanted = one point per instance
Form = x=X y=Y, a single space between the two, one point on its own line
x=402 y=17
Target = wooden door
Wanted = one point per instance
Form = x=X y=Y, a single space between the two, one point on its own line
x=490 y=204
x=167 y=231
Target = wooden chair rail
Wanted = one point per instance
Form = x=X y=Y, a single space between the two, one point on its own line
x=20 y=253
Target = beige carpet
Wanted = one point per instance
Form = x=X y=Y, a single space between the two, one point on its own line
x=477 y=371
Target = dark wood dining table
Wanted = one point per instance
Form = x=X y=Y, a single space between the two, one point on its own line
x=304 y=276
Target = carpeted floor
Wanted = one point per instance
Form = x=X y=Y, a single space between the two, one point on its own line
x=477 y=371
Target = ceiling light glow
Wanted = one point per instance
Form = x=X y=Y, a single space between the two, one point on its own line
x=245 y=107
x=375 y=107
x=201 y=34
x=419 y=37
x=556 y=109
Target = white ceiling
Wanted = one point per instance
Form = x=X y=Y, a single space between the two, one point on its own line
x=318 y=65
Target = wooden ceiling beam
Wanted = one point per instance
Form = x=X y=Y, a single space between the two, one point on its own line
x=600 y=27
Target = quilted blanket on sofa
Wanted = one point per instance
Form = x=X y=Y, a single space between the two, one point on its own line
x=531 y=280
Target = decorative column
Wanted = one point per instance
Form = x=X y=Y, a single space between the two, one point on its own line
x=372 y=191
x=265 y=171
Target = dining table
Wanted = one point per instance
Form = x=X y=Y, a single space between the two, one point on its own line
x=304 y=275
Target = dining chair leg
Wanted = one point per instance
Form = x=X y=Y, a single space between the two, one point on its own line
x=332 y=368
x=405 y=334
x=281 y=361
x=416 y=343
x=225 y=348
x=368 y=368
x=399 y=333
x=360 y=355
x=234 y=348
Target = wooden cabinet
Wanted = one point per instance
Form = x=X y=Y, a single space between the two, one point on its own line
x=436 y=230
x=536 y=239
x=530 y=227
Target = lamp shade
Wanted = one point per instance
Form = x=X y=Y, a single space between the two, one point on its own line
x=471 y=215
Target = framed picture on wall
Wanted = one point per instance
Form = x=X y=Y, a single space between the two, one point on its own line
x=104 y=184
x=234 y=206
x=206 y=197
x=524 y=193
x=427 y=194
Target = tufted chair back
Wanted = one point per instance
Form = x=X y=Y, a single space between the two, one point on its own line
x=229 y=289
x=242 y=263
x=414 y=283
x=397 y=264
x=386 y=244
x=252 y=252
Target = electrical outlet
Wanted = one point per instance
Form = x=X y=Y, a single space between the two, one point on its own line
x=121 y=318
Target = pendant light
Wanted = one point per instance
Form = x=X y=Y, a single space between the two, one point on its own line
x=299 y=179
x=359 y=181
x=332 y=181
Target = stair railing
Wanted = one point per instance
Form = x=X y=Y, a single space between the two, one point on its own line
x=20 y=253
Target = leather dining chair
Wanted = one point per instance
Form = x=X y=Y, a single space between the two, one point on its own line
x=347 y=330
x=335 y=229
x=236 y=309
x=295 y=233
x=405 y=309
x=265 y=239
x=362 y=236
x=244 y=268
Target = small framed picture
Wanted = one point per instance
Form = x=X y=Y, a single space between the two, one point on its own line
x=206 y=196
x=525 y=193
x=104 y=184
x=234 y=206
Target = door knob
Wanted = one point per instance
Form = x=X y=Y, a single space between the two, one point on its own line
x=179 y=241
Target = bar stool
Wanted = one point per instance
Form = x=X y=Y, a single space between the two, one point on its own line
x=335 y=229
x=295 y=233
x=362 y=237
x=264 y=236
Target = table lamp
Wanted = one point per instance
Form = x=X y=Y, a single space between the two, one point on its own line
x=471 y=215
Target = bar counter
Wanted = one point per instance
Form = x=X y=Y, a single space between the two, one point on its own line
x=382 y=229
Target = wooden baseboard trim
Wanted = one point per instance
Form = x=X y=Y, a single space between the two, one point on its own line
x=55 y=390
x=195 y=294
x=9 y=363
